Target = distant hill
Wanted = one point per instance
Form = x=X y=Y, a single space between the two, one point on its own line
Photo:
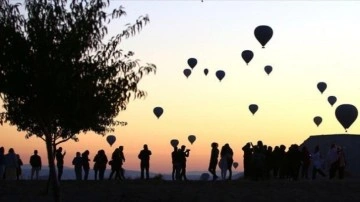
x=350 y=144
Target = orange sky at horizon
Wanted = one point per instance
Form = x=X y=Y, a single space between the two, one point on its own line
x=312 y=42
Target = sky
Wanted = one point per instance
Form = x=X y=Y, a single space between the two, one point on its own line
x=313 y=41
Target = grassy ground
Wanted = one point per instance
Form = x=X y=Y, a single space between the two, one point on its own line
x=158 y=190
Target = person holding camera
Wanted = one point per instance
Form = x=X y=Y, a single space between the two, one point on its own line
x=183 y=154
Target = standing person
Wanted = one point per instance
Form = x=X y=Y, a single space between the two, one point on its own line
x=248 y=152
x=35 y=162
x=60 y=161
x=294 y=161
x=227 y=153
x=317 y=163
x=332 y=158
x=258 y=163
x=223 y=166
x=86 y=163
x=277 y=161
x=18 y=169
x=283 y=170
x=176 y=167
x=342 y=163
x=115 y=164
x=122 y=160
x=305 y=162
x=11 y=164
x=96 y=167
x=77 y=162
x=183 y=154
x=100 y=164
x=2 y=163
x=214 y=159
x=144 y=157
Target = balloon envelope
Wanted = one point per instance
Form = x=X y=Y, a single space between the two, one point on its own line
x=346 y=114
x=321 y=86
x=158 y=111
x=192 y=62
x=111 y=139
x=187 y=72
x=263 y=34
x=174 y=142
x=247 y=56
x=206 y=71
x=235 y=164
x=220 y=74
x=317 y=120
x=268 y=69
x=253 y=108
x=332 y=100
x=191 y=138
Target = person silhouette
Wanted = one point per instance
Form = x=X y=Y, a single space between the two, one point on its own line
x=78 y=164
x=183 y=154
x=144 y=157
x=86 y=163
x=342 y=162
x=60 y=161
x=96 y=164
x=35 y=162
x=115 y=164
x=317 y=163
x=248 y=153
x=214 y=159
x=333 y=161
x=306 y=160
x=11 y=164
x=227 y=153
x=175 y=175
x=122 y=160
x=100 y=160
x=18 y=169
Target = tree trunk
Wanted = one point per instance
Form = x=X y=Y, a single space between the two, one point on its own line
x=52 y=175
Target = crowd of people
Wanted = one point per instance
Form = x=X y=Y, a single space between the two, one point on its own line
x=260 y=162
x=10 y=165
x=263 y=162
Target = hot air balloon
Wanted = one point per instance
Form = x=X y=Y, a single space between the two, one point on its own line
x=187 y=72
x=111 y=139
x=317 y=120
x=191 y=138
x=235 y=164
x=247 y=56
x=158 y=111
x=268 y=69
x=192 y=62
x=206 y=71
x=346 y=114
x=174 y=142
x=220 y=74
x=263 y=34
x=253 y=108
x=321 y=86
x=332 y=100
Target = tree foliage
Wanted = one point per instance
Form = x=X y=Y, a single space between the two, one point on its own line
x=57 y=75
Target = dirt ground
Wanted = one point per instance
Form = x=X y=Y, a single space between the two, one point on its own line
x=159 y=190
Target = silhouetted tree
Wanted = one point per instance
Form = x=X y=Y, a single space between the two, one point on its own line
x=58 y=77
